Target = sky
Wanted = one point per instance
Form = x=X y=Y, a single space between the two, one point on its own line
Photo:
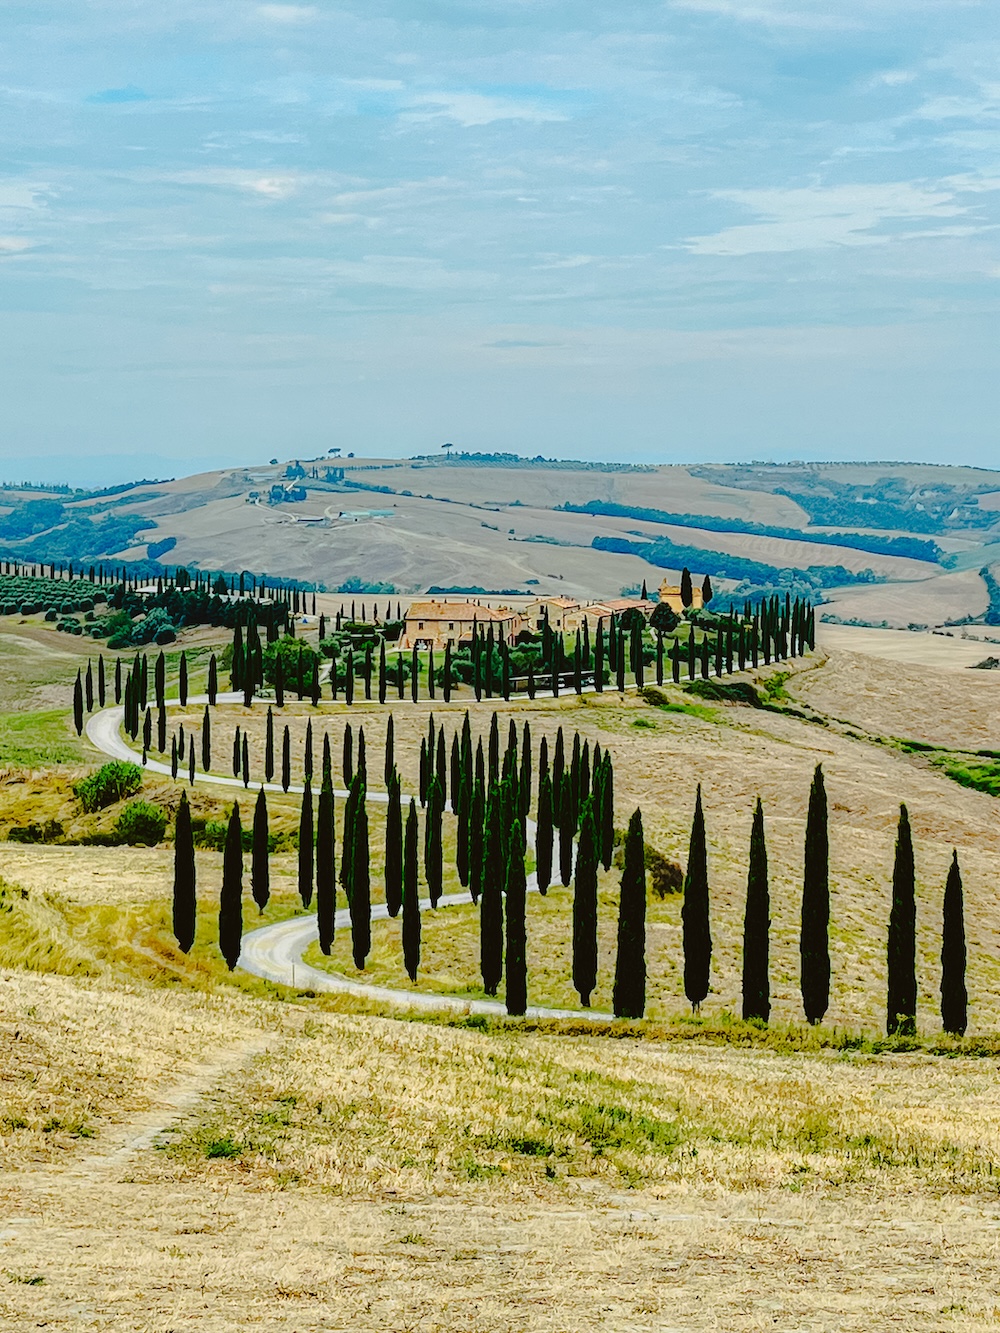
x=685 y=231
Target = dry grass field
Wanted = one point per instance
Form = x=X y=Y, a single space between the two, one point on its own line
x=187 y=1150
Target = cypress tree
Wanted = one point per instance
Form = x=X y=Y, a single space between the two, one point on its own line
x=954 y=997
x=694 y=913
x=307 y=757
x=477 y=833
x=585 y=909
x=756 y=927
x=185 y=904
x=326 y=873
x=517 y=969
x=493 y=770
x=524 y=783
x=390 y=751
x=269 y=746
x=455 y=774
x=118 y=680
x=901 y=989
x=231 y=897
x=414 y=676
x=174 y=759
x=567 y=831
x=814 y=945
x=101 y=684
x=687 y=593
x=361 y=898
x=191 y=763
x=630 y=966
x=213 y=680
x=394 y=848
x=279 y=680
x=327 y=759
x=161 y=729
x=411 y=898
x=306 y=845
x=182 y=680
x=246 y=761
x=382 y=681
x=260 y=871
x=78 y=704
x=433 y=859
x=348 y=761
x=491 y=905
x=237 y=754
x=286 y=760
x=544 y=833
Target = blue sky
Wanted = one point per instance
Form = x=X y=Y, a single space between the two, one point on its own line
x=701 y=229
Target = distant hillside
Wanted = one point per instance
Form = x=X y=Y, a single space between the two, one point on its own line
x=877 y=541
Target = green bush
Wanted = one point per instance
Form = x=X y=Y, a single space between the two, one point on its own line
x=112 y=782
x=141 y=823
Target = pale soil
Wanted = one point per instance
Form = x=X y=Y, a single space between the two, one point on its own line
x=945 y=652
x=386 y=1178
x=942 y=704
x=948 y=596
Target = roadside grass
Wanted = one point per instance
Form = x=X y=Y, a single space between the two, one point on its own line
x=356 y=1106
x=42 y=739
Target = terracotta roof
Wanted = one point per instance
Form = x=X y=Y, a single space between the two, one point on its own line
x=458 y=611
x=569 y=603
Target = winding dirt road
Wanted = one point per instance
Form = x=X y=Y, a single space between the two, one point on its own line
x=275 y=952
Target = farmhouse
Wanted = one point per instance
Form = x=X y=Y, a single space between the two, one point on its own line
x=557 y=610
x=671 y=594
x=436 y=624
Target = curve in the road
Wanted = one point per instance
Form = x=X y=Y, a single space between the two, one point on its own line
x=275 y=952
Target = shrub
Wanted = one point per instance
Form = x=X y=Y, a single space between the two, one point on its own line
x=141 y=823
x=663 y=876
x=112 y=782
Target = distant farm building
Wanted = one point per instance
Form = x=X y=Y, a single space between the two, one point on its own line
x=556 y=610
x=671 y=594
x=436 y=624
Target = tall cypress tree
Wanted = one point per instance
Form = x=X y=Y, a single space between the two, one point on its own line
x=411 y=897
x=517 y=968
x=246 y=761
x=101 y=683
x=213 y=680
x=695 y=915
x=78 y=703
x=394 y=849
x=390 y=751
x=491 y=905
x=306 y=846
x=954 y=997
x=567 y=832
x=286 y=759
x=269 y=746
x=544 y=833
x=307 y=757
x=477 y=835
x=901 y=989
x=630 y=966
x=326 y=873
x=814 y=944
x=260 y=872
x=185 y=903
x=182 y=680
x=348 y=760
x=757 y=926
x=361 y=897
x=231 y=896
x=206 y=740
x=433 y=858
x=585 y=909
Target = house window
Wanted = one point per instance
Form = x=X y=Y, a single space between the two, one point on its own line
x=451 y=624
x=420 y=624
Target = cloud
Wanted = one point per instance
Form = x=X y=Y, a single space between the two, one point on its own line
x=288 y=14
x=119 y=96
x=470 y=109
x=12 y=245
x=271 y=186
x=776 y=15
x=820 y=216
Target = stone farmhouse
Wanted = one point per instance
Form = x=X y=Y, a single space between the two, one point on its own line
x=436 y=624
x=671 y=594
